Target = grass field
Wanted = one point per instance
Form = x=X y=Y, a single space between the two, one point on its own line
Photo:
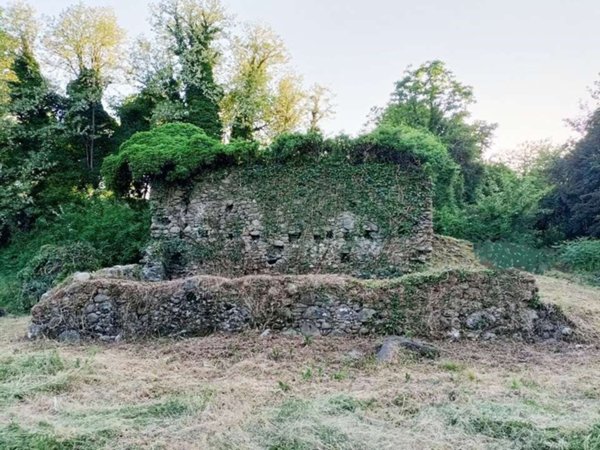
x=278 y=392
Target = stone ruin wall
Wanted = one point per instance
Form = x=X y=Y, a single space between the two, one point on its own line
x=479 y=305
x=230 y=253
x=220 y=226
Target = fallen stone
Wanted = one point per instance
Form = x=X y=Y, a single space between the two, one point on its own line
x=391 y=345
x=34 y=332
x=81 y=277
x=265 y=333
x=69 y=337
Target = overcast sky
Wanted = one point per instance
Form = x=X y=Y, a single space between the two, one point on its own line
x=530 y=61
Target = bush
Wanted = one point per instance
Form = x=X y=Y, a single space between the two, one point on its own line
x=505 y=208
x=176 y=152
x=116 y=230
x=172 y=152
x=582 y=255
x=297 y=146
x=408 y=146
x=53 y=264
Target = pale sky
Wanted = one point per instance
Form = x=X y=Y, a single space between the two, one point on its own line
x=529 y=61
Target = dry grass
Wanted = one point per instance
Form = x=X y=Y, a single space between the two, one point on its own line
x=580 y=303
x=279 y=392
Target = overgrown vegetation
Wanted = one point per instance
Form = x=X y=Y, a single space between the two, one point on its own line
x=92 y=232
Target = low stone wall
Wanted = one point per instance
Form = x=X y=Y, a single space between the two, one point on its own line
x=477 y=304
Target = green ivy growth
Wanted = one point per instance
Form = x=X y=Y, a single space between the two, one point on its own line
x=177 y=152
x=173 y=153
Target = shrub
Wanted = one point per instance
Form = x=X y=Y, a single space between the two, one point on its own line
x=297 y=146
x=582 y=255
x=176 y=152
x=51 y=265
x=172 y=152
x=505 y=207
x=116 y=230
x=408 y=146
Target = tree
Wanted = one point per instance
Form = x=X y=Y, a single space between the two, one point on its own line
x=575 y=201
x=87 y=41
x=191 y=30
x=429 y=97
x=86 y=38
x=531 y=157
x=28 y=152
x=7 y=48
x=287 y=109
x=319 y=106
x=153 y=70
x=88 y=124
x=257 y=56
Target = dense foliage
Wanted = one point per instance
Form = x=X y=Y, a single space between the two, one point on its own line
x=431 y=98
x=172 y=152
x=175 y=152
x=115 y=232
x=574 y=203
x=582 y=255
x=52 y=264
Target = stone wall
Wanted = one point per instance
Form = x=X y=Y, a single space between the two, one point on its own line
x=369 y=220
x=477 y=304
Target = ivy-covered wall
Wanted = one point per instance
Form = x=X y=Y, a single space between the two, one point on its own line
x=367 y=219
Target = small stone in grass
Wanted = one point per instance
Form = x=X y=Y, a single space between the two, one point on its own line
x=389 y=349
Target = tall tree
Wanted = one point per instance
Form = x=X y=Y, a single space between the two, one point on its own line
x=27 y=150
x=319 y=105
x=88 y=123
x=257 y=56
x=288 y=106
x=7 y=51
x=153 y=70
x=430 y=97
x=575 y=202
x=87 y=41
x=192 y=30
x=86 y=38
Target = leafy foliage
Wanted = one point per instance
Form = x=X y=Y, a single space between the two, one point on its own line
x=506 y=206
x=431 y=98
x=176 y=152
x=582 y=255
x=402 y=145
x=117 y=231
x=574 y=204
x=191 y=30
x=53 y=264
x=172 y=152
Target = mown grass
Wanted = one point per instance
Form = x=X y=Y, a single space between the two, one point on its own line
x=14 y=437
x=524 y=435
x=302 y=424
x=22 y=376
